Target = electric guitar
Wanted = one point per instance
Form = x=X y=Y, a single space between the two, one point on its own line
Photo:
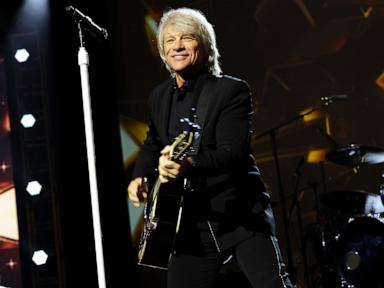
x=163 y=209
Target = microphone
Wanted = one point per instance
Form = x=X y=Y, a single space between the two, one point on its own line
x=329 y=99
x=94 y=29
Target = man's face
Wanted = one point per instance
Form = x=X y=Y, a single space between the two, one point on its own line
x=182 y=51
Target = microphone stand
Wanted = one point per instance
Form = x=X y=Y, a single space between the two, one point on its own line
x=272 y=134
x=298 y=195
x=83 y=62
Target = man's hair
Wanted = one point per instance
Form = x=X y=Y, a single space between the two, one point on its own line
x=194 y=22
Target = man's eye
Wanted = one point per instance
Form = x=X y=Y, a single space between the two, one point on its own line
x=169 y=40
x=188 y=37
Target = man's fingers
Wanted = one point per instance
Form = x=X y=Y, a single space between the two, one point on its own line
x=136 y=204
x=165 y=150
x=168 y=168
x=136 y=198
x=135 y=201
x=163 y=179
x=137 y=191
x=133 y=197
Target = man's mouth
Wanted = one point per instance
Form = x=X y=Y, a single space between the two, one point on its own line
x=180 y=57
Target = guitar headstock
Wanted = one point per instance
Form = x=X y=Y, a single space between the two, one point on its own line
x=182 y=145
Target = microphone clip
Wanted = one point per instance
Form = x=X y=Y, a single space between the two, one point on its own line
x=330 y=99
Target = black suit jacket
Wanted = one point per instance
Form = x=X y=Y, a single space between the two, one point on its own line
x=227 y=188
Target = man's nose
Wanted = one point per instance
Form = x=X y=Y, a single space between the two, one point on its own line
x=179 y=44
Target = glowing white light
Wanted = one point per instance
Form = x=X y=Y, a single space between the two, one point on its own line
x=4 y=167
x=39 y=257
x=27 y=120
x=11 y=263
x=21 y=55
x=34 y=188
x=36 y=10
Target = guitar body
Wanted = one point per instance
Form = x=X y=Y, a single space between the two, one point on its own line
x=162 y=212
x=157 y=242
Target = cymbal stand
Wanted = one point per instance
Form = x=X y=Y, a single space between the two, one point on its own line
x=323 y=178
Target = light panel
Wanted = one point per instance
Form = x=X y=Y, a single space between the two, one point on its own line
x=22 y=55
x=34 y=188
x=28 y=120
x=40 y=257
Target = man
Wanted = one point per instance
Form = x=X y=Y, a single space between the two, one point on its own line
x=227 y=213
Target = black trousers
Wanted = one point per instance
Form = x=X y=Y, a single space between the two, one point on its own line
x=259 y=258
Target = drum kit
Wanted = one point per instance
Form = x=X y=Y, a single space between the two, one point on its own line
x=350 y=239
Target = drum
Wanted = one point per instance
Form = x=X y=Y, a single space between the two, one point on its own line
x=352 y=202
x=359 y=253
x=343 y=205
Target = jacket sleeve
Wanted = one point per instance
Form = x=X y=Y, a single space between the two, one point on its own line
x=147 y=159
x=231 y=150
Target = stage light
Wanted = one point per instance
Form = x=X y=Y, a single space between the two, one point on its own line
x=4 y=167
x=21 y=55
x=28 y=120
x=11 y=264
x=37 y=9
x=34 y=188
x=151 y=31
x=309 y=116
x=316 y=155
x=40 y=257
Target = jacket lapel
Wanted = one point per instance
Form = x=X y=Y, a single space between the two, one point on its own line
x=164 y=106
x=203 y=104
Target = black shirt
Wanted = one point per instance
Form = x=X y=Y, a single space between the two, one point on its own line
x=183 y=104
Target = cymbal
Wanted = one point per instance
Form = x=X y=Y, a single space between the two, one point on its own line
x=356 y=155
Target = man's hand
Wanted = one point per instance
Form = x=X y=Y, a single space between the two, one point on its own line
x=169 y=170
x=138 y=191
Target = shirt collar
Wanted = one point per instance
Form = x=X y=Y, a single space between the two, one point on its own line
x=190 y=84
